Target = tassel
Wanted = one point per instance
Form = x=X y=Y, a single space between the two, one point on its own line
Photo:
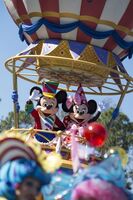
x=74 y=150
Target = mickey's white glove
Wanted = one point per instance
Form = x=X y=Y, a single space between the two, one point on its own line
x=35 y=96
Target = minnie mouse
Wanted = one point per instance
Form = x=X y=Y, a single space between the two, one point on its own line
x=45 y=112
x=81 y=112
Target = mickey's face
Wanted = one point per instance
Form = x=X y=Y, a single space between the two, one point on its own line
x=48 y=105
x=80 y=111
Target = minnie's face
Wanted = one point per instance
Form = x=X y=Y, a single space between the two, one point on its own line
x=48 y=105
x=80 y=112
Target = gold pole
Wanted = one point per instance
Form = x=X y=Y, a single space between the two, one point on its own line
x=15 y=89
x=119 y=103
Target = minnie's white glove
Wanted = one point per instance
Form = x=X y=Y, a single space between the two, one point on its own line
x=35 y=96
x=104 y=105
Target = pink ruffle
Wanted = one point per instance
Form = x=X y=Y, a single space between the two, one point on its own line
x=99 y=190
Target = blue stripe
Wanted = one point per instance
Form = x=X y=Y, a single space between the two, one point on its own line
x=49 y=126
x=50 y=120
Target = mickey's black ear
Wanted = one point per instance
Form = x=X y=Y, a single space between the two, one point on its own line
x=38 y=102
x=92 y=106
x=35 y=88
x=61 y=96
x=65 y=109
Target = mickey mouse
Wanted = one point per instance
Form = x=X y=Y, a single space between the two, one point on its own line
x=81 y=112
x=45 y=112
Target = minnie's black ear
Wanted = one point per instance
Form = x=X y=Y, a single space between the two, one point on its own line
x=61 y=96
x=92 y=106
x=35 y=88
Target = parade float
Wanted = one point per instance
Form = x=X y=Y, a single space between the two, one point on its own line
x=80 y=45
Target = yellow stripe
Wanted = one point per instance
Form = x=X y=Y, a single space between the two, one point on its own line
x=43 y=136
x=76 y=17
x=50 y=95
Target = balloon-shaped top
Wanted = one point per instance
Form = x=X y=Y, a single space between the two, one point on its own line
x=106 y=23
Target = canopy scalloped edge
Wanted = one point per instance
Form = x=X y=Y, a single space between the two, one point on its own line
x=59 y=61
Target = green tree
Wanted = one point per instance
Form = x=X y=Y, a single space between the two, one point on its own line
x=8 y=122
x=120 y=133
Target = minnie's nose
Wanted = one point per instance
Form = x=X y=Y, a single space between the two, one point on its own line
x=81 y=113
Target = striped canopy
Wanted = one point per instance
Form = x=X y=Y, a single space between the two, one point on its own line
x=105 y=23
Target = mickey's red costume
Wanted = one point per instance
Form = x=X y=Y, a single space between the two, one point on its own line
x=51 y=122
x=45 y=112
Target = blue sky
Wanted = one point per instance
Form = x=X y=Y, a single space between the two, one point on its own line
x=10 y=45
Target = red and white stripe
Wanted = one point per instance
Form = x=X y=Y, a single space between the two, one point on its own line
x=90 y=9
x=11 y=148
x=53 y=6
x=119 y=12
x=69 y=7
x=124 y=20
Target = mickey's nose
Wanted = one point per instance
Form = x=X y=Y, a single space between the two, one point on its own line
x=49 y=107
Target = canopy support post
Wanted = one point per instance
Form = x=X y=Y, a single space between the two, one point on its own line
x=15 y=97
x=116 y=110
